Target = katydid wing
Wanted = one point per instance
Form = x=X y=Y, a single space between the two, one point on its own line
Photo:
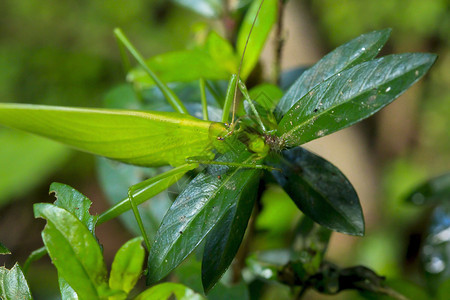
x=135 y=137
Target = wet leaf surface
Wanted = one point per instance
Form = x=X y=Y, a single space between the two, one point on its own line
x=223 y=242
x=73 y=250
x=195 y=212
x=75 y=202
x=319 y=190
x=361 y=49
x=351 y=96
x=13 y=284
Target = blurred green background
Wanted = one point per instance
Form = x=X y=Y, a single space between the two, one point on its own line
x=64 y=53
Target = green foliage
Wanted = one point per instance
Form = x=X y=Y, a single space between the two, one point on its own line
x=258 y=148
x=13 y=284
x=358 y=50
x=74 y=251
x=319 y=190
x=164 y=291
x=215 y=60
x=4 y=250
x=207 y=8
x=206 y=199
x=351 y=96
x=127 y=266
x=74 y=202
x=261 y=29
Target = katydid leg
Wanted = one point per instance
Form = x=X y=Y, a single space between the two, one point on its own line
x=199 y=160
x=146 y=190
x=229 y=98
x=171 y=97
x=203 y=98
x=137 y=216
x=246 y=95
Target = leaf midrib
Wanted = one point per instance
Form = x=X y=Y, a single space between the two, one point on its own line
x=299 y=126
x=223 y=182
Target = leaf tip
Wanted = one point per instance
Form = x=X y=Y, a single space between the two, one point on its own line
x=208 y=283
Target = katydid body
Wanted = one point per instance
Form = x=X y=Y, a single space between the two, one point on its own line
x=153 y=138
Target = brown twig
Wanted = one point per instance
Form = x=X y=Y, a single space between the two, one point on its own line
x=239 y=262
x=279 y=43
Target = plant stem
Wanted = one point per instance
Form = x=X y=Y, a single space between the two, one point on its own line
x=279 y=43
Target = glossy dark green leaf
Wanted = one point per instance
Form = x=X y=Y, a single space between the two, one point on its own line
x=207 y=8
x=264 y=22
x=319 y=190
x=435 y=252
x=75 y=202
x=223 y=242
x=196 y=210
x=358 y=50
x=435 y=190
x=214 y=60
x=74 y=251
x=351 y=96
x=127 y=266
x=4 y=250
x=13 y=284
x=165 y=291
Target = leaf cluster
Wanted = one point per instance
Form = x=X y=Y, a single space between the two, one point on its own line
x=215 y=207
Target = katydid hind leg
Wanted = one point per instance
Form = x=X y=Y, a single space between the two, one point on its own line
x=200 y=160
x=145 y=190
x=171 y=97
x=203 y=99
x=244 y=91
x=137 y=216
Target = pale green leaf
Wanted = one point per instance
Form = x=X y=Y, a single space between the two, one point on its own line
x=127 y=265
x=214 y=60
x=13 y=284
x=75 y=202
x=164 y=291
x=74 y=251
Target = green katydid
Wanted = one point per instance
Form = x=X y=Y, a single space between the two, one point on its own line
x=152 y=138
x=343 y=88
